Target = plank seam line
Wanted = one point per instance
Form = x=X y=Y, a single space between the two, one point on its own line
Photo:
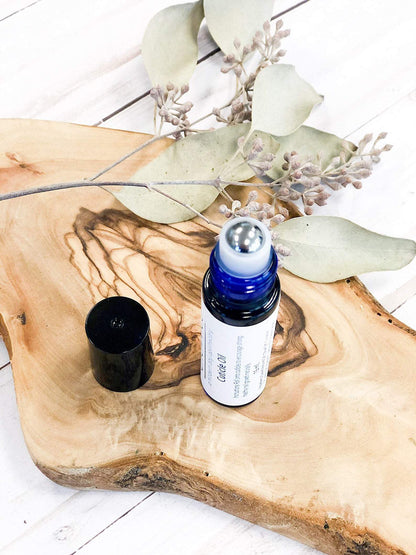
x=4 y=365
x=216 y=50
x=397 y=101
x=112 y=523
x=400 y=295
x=202 y=59
x=397 y=307
x=45 y=518
x=21 y=10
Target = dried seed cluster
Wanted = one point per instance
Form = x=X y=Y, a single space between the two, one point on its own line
x=304 y=180
x=307 y=181
x=170 y=108
x=266 y=45
x=258 y=160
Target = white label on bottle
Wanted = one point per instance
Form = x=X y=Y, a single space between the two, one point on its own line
x=235 y=360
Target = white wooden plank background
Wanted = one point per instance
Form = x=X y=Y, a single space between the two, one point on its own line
x=77 y=61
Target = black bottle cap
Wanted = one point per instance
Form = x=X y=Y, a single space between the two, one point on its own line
x=120 y=347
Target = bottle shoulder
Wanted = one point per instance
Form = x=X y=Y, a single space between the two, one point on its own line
x=239 y=314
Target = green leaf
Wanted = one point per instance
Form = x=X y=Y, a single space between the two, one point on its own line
x=197 y=157
x=281 y=100
x=311 y=143
x=236 y=19
x=169 y=48
x=326 y=249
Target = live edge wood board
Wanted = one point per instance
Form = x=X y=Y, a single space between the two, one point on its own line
x=327 y=455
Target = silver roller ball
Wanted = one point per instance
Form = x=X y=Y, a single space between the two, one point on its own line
x=245 y=237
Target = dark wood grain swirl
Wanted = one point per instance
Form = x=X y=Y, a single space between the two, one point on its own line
x=106 y=247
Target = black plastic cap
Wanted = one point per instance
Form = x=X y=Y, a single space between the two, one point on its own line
x=120 y=347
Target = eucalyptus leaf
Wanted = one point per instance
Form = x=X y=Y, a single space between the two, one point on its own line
x=326 y=248
x=169 y=47
x=281 y=100
x=310 y=143
x=236 y=19
x=196 y=157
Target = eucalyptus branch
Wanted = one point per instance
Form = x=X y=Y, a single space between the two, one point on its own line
x=304 y=180
x=218 y=183
x=310 y=177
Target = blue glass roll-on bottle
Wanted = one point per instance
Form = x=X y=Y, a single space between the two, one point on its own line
x=240 y=299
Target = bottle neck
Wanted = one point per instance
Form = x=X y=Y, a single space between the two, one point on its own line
x=237 y=289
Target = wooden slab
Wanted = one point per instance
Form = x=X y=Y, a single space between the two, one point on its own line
x=326 y=455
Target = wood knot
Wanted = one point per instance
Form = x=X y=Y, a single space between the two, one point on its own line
x=22 y=318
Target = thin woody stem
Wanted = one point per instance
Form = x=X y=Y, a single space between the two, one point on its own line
x=227 y=105
x=131 y=153
x=79 y=184
x=185 y=205
x=242 y=183
x=154 y=117
x=152 y=186
x=62 y=186
x=248 y=184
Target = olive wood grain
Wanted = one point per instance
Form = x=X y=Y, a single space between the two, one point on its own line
x=326 y=455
